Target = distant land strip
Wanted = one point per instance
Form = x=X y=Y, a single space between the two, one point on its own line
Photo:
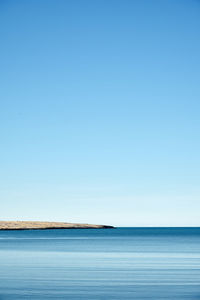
x=33 y=225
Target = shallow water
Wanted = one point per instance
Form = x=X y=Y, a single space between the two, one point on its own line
x=122 y=263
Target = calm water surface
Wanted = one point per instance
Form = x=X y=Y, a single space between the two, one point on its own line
x=122 y=263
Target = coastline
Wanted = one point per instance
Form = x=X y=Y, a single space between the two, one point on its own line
x=37 y=225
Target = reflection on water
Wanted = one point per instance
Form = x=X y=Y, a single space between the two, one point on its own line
x=123 y=263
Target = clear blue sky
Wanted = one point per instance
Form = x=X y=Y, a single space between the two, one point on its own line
x=100 y=111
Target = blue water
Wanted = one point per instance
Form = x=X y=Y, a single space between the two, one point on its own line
x=122 y=263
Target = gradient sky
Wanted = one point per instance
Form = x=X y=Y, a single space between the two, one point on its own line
x=100 y=111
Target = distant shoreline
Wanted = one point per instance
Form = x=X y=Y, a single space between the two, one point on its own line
x=37 y=225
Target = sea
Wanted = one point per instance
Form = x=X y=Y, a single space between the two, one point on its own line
x=100 y=264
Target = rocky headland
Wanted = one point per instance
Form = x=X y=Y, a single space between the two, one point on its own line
x=32 y=225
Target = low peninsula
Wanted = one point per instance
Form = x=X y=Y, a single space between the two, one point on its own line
x=34 y=225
